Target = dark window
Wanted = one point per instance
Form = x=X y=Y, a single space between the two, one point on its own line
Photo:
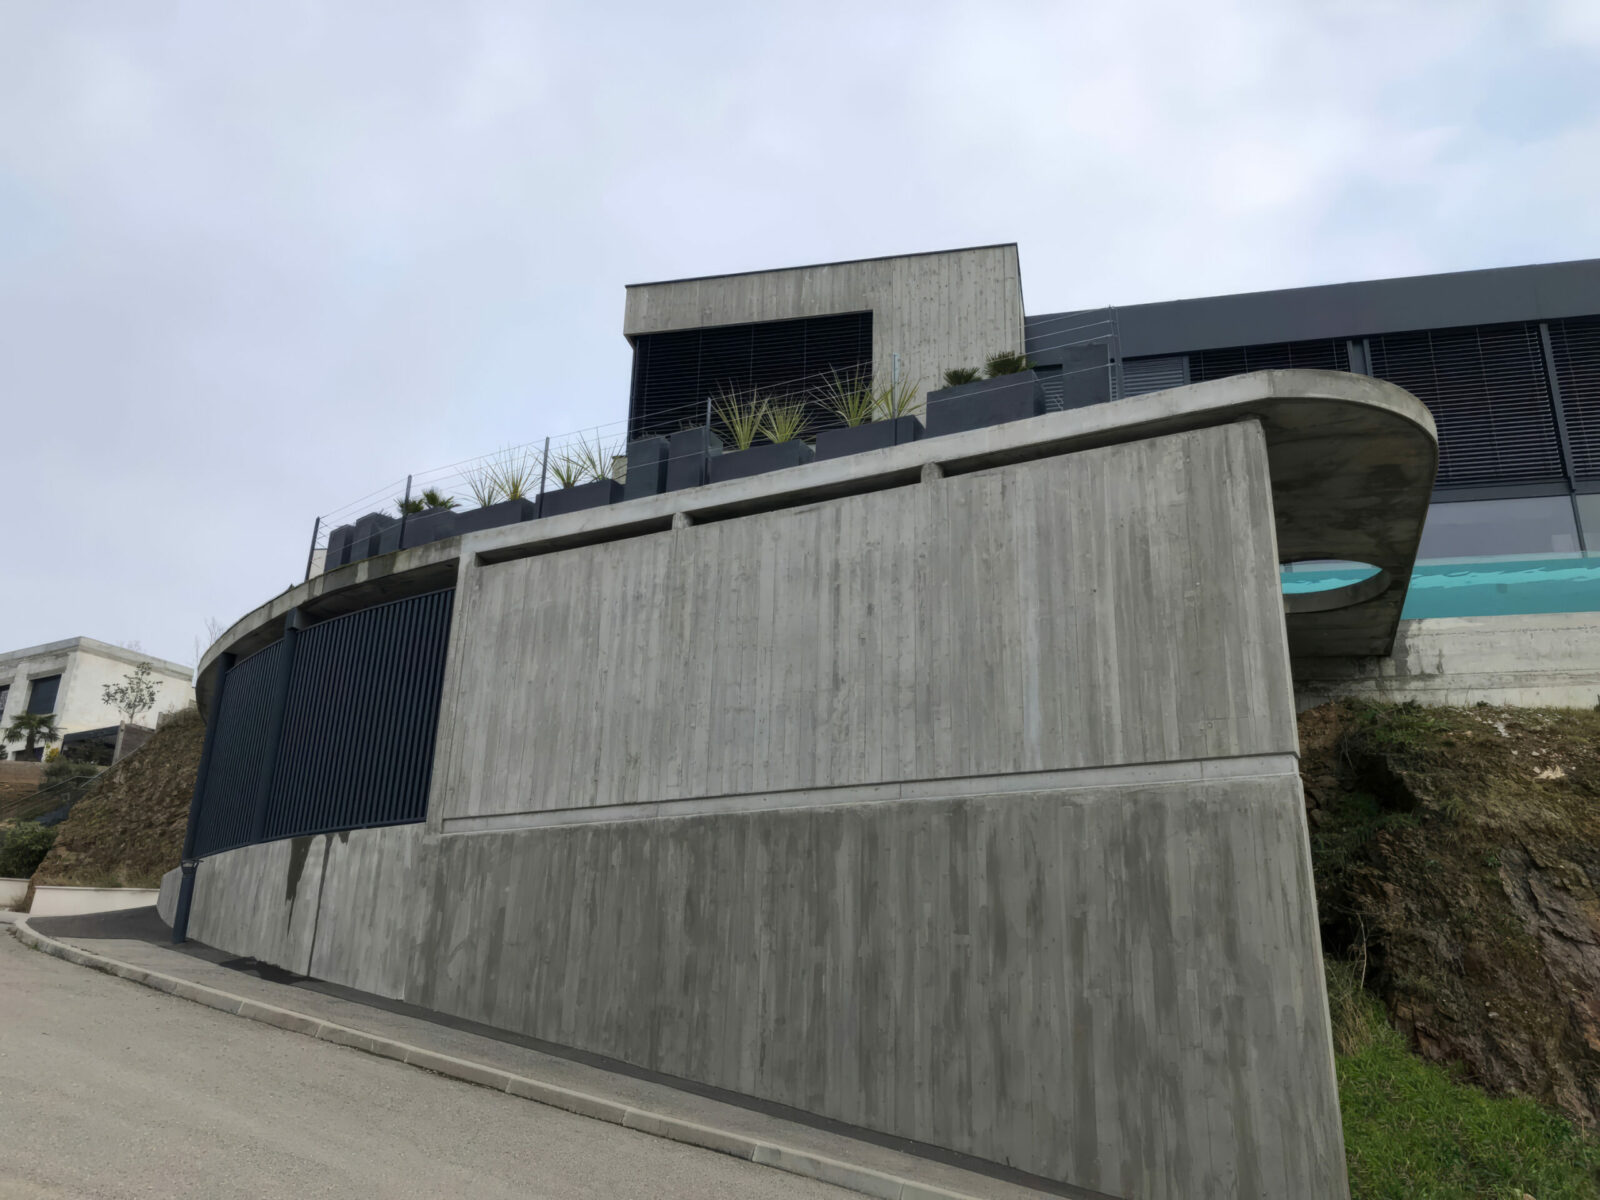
x=5 y=693
x=42 y=695
x=1486 y=388
x=1492 y=528
x=1576 y=346
x=675 y=373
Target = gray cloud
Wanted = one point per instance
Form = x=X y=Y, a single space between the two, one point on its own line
x=257 y=260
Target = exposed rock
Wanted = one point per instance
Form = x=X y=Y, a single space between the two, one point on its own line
x=1473 y=882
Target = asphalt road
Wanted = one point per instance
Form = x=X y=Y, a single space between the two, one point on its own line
x=108 y=1089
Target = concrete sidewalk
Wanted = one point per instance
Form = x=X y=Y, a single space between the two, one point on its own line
x=130 y=945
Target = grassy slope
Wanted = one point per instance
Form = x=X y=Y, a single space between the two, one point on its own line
x=127 y=831
x=1415 y=1130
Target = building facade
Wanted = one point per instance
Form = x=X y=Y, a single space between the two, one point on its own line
x=66 y=678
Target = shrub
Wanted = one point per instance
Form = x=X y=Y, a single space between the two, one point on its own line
x=1005 y=363
x=783 y=420
x=24 y=849
x=850 y=397
x=956 y=376
x=60 y=770
x=742 y=416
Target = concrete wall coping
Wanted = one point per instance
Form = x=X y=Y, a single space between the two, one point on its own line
x=1352 y=461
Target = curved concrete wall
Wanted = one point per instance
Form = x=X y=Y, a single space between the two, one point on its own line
x=965 y=811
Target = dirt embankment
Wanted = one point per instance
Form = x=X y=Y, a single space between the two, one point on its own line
x=127 y=831
x=1457 y=858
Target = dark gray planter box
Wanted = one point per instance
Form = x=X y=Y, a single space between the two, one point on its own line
x=492 y=516
x=338 y=547
x=647 y=468
x=575 y=499
x=375 y=533
x=758 y=460
x=687 y=455
x=430 y=525
x=874 y=435
x=985 y=402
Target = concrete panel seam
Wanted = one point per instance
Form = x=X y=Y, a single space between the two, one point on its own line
x=795 y=1162
x=1076 y=779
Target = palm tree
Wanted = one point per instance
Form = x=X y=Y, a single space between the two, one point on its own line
x=32 y=728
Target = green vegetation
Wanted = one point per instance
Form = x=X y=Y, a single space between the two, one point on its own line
x=850 y=397
x=956 y=376
x=1005 y=363
x=783 y=420
x=135 y=695
x=1416 y=1131
x=31 y=729
x=26 y=844
x=742 y=416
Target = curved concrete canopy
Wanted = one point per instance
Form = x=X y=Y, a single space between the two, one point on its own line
x=1352 y=461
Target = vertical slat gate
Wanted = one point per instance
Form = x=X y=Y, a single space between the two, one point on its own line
x=359 y=725
x=359 y=721
x=227 y=806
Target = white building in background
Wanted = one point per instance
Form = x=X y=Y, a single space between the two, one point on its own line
x=66 y=679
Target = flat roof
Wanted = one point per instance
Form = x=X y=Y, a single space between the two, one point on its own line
x=842 y=262
x=1494 y=295
x=103 y=649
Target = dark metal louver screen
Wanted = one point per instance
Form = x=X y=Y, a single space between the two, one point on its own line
x=1575 y=344
x=674 y=373
x=355 y=744
x=42 y=695
x=1142 y=375
x=1486 y=388
x=359 y=723
x=242 y=735
x=1321 y=354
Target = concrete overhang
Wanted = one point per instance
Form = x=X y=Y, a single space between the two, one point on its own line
x=1352 y=461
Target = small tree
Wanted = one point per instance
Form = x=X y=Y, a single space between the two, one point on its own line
x=134 y=695
x=32 y=728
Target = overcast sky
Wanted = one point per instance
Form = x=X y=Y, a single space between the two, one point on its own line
x=258 y=259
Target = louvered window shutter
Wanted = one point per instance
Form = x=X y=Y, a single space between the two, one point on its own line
x=1141 y=375
x=674 y=373
x=1485 y=386
x=1575 y=343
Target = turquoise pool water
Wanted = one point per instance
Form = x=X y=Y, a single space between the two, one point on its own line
x=1483 y=587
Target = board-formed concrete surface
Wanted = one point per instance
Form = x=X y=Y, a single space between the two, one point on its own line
x=963 y=810
x=1528 y=659
x=932 y=312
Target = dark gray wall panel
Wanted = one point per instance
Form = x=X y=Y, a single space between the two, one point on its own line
x=1530 y=293
x=242 y=736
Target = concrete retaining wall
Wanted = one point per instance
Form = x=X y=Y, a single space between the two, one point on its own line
x=167 y=899
x=52 y=901
x=965 y=811
x=1539 y=659
x=13 y=892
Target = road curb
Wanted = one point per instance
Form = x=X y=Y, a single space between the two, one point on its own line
x=706 y=1137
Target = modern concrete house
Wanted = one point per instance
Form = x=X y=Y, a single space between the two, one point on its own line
x=941 y=784
x=66 y=679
